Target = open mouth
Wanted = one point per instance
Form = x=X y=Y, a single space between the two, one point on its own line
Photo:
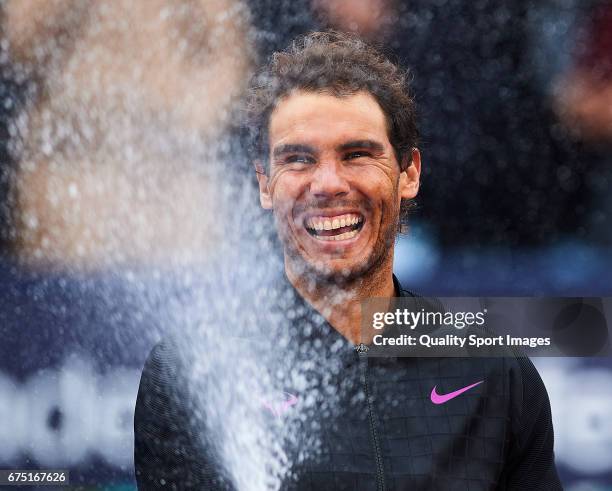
x=340 y=227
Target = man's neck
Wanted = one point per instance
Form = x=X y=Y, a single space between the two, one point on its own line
x=340 y=303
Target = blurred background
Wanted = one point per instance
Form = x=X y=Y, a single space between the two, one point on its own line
x=121 y=162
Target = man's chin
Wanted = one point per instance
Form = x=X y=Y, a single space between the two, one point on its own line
x=341 y=267
x=339 y=272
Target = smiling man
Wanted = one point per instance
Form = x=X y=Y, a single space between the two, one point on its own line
x=336 y=186
x=335 y=127
x=334 y=142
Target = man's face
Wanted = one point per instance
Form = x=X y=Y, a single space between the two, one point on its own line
x=334 y=183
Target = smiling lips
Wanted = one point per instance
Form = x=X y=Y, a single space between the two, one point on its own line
x=338 y=227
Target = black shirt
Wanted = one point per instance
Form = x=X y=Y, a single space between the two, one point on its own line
x=377 y=429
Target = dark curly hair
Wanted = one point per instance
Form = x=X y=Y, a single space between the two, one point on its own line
x=339 y=64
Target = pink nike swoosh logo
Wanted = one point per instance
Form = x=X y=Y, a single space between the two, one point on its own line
x=441 y=399
x=280 y=408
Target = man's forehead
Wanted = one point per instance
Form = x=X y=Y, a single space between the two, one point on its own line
x=322 y=117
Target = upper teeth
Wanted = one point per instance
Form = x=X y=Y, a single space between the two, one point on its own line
x=332 y=223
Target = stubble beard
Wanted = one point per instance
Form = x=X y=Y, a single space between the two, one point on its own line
x=318 y=273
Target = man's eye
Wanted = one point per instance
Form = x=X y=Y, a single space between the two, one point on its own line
x=298 y=159
x=357 y=154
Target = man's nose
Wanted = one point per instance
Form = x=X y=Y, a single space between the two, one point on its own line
x=329 y=180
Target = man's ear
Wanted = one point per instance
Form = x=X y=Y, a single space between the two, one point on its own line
x=264 y=194
x=410 y=177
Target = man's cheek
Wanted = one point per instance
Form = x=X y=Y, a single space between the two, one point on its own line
x=278 y=176
x=284 y=191
x=283 y=215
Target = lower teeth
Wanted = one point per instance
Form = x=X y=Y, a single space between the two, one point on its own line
x=344 y=236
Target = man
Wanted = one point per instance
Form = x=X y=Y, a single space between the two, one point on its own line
x=336 y=160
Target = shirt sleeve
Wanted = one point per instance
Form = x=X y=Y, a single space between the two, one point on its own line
x=531 y=463
x=166 y=453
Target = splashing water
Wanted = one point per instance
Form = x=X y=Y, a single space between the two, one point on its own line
x=123 y=163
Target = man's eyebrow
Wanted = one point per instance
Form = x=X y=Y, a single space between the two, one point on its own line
x=368 y=144
x=292 y=148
